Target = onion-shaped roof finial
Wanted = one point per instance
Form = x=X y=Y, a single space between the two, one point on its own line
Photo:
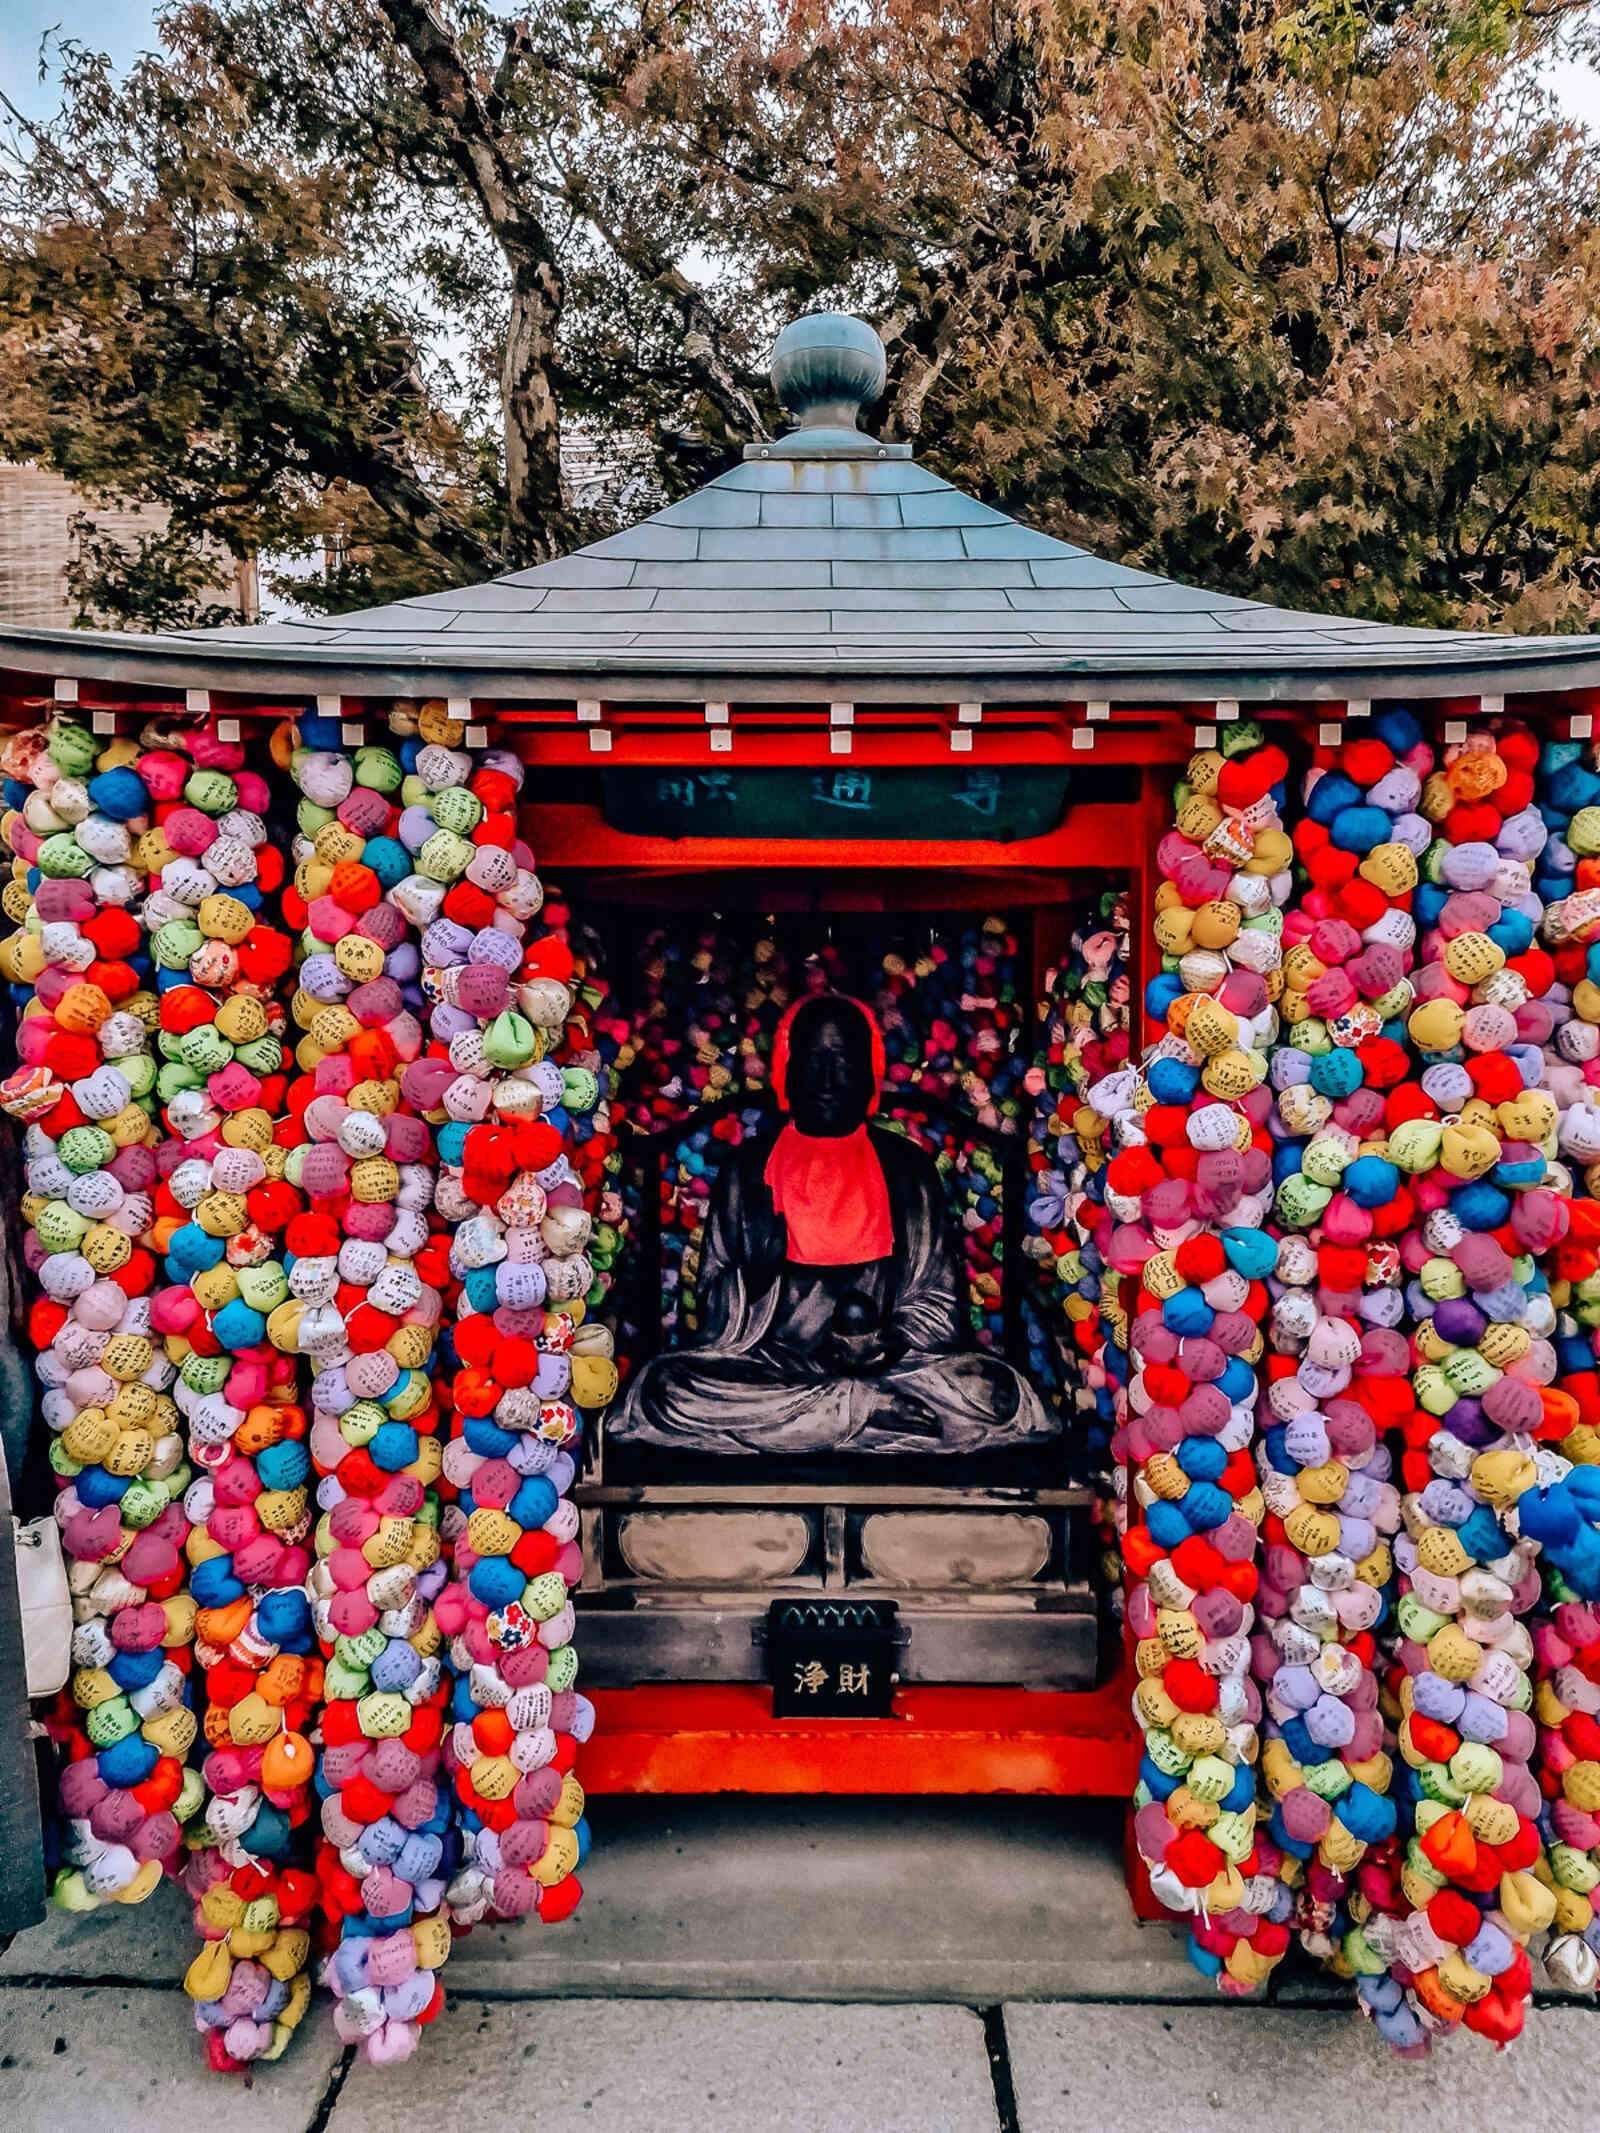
x=827 y=368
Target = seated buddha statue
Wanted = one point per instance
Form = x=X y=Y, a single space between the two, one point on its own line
x=832 y=1298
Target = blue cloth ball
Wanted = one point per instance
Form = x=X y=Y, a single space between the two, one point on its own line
x=213 y=1584
x=496 y=1580
x=1371 y=1181
x=534 y=1504
x=1331 y=795
x=394 y=1446
x=238 y=1326
x=1338 y=1073
x=1359 y=829
x=128 y=1762
x=1187 y=1314
x=96 y=1488
x=119 y=794
x=1251 y=1252
x=1202 y=1458
x=1172 y=1081
x=192 y=1250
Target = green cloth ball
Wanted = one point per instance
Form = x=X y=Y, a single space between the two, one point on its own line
x=457 y=809
x=61 y=1228
x=86 y=1148
x=72 y=750
x=378 y=768
x=63 y=858
x=509 y=1041
x=263 y=1287
x=262 y=1055
x=206 y=1373
x=444 y=857
x=174 y=943
x=205 y=1049
x=174 y=1078
x=212 y=791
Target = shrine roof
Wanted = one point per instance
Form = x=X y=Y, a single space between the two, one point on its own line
x=829 y=562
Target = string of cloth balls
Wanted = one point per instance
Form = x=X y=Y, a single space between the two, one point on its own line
x=1352 y=1204
x=313 y=1124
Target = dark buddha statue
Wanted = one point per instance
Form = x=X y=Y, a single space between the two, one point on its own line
x=832 y=1296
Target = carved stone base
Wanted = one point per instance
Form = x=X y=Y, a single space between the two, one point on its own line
x=683 y=1559
x=742 y=1548
x=922 y=1551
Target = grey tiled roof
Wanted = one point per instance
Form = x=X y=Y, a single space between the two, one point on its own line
x=830 y=571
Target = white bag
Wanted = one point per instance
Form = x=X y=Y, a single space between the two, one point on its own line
x=46 y=1605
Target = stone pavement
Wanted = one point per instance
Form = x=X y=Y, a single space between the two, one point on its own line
x=784 y=1967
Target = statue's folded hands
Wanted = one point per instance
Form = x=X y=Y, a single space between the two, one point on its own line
x=856 y=1346
x=856 y=1355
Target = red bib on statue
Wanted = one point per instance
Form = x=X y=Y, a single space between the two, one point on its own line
x=831 y=1194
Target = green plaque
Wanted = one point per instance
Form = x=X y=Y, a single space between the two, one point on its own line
x=972 y=804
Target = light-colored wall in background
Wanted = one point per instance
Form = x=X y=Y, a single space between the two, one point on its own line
x=37 y=508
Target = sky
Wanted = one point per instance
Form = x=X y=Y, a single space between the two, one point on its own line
x=120 y=27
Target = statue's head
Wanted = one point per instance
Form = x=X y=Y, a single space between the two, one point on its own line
x=827 y=1073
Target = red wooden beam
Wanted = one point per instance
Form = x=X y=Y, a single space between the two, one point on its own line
x=722 y=1737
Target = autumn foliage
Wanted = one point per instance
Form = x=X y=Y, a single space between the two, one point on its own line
x=1302 y=300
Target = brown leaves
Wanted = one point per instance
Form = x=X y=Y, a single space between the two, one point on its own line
x=1294 y=299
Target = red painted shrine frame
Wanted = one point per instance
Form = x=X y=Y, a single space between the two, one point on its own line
x=709 y=1737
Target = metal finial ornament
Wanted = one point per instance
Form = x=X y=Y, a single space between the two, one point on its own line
x=827 y=369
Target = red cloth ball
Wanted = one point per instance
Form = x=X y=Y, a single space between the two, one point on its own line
x=1494 y=1077
x=368 y=1329
x=1245 y=779
x=1194 y=1859
x=272 y=1204
x=264 y=955
x=497 y=789
x=1190 y=1686
x=1407 y=1101
x=1478 y=822
x=476 y=1340
x=1385 y=1063
x=548 y=958
x=1201 y=1259
x=469 y=905
x=185 y=1008
x=311 y=1236
x=1366 y=761
x=114 y=933
x=70 y=1058
x=515 y=1363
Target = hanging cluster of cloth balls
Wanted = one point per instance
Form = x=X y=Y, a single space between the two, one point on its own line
x=313 y=1137
x=1353 y=1202
x=1084 y=1035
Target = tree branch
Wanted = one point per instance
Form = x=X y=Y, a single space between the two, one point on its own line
x=538 y=523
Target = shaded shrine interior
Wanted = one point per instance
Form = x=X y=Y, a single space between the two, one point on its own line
x=991 y=1557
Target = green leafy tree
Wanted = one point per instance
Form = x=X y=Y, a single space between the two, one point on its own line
x=1299 y=299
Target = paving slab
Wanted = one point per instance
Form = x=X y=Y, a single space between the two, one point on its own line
x=1252 y=2069
x=697 y=2067
x=969 y=1900
x=972 y=1900
x=78 y=2057
x=145 y=1942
